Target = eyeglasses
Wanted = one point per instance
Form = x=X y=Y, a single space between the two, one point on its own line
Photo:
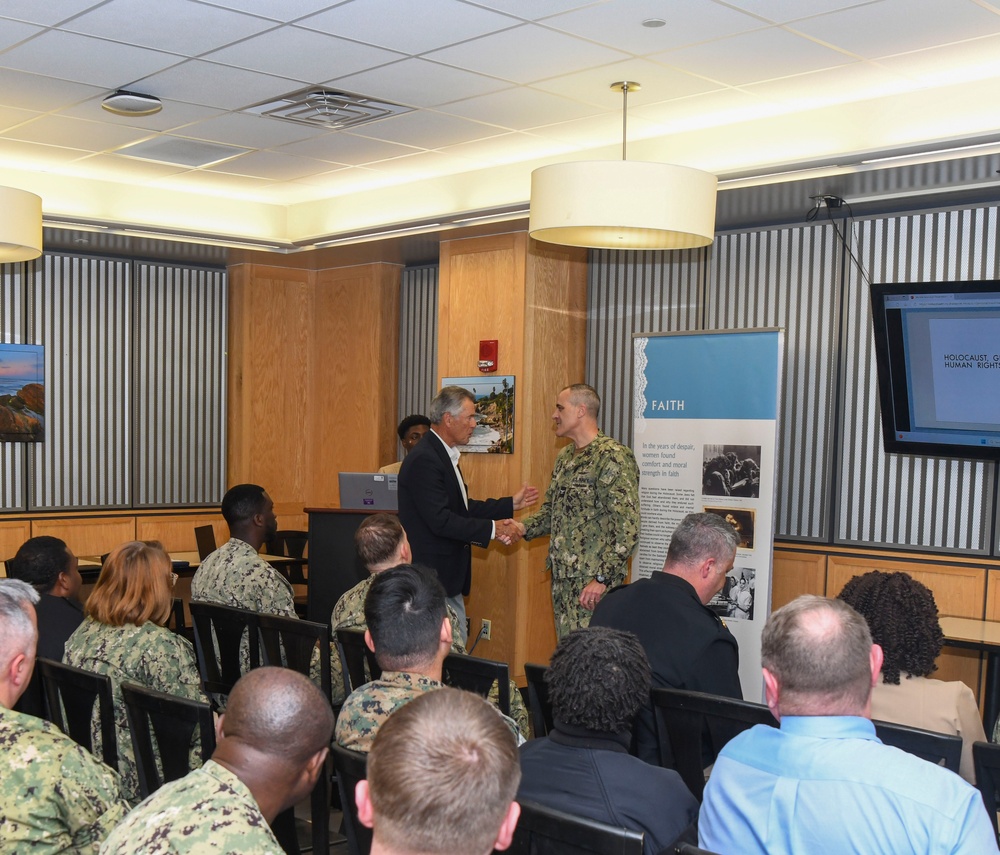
x=173 y=579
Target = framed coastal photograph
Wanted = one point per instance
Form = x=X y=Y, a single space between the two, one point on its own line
x=494 y=397
x=22 y=393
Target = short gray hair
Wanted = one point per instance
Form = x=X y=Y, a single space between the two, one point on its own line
x=586 y=396
x=15 y=624
x=701 y=536
x=818 y=649
x=449 y=400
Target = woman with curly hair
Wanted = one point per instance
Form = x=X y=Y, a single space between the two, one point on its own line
x=124 y=637
x=903 y=619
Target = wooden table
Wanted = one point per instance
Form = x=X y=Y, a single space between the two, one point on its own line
x=984 y=636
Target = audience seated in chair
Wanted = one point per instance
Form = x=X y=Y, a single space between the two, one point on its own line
x=597 y=681
x=410 y=633
x=49 y=565
x=54 y=795
x=272 y=746
x=442 y=774
x=124 y=636
x=903 y=619
x=381 y=544
x=822 y=782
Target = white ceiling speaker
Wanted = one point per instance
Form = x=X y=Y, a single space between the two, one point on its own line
x=124 y=103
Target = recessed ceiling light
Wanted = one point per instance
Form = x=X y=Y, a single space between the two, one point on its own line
x=124 y=103
x=653 y=23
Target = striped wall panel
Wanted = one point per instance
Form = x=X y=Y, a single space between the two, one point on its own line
x=13 y=328
x=897 y=499
x=418 y=339
x=179 y=388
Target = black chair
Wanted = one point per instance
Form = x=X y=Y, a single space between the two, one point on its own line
x=357 y=662
x=75 y=691
x=478 y=675
x=538 y=700
x=291 y=545
x=690 y=849
x=544 y=831
x=178 y=622
x=351 y=767
x=204 y=536
x=288 y=642
x=218 y=639
x=163 y=727
x=986 y=760
x=942 y=749
x=682 y=719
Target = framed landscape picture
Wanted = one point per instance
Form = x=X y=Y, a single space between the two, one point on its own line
x=22 y=393
x=494 y=397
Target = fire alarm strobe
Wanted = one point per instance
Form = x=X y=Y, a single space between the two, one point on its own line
x=488 y=356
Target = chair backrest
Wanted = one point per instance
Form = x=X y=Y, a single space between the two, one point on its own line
x=538 y=699
x=682 y=719
x=74 y=691
x=292 y=643
x=544 y=831
x=942 y=749
x=986 y=760
x=292 y=544
x=169 y=723
x=478 y=675
x=355 y=657
x=351 y=767
x=218 y=637
x=204 y=536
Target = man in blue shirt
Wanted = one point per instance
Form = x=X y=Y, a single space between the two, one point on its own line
x=823 y=782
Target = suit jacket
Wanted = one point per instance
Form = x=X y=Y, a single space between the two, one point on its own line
x=440 y=528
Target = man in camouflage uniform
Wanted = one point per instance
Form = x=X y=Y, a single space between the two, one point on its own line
x=410 y=633
x=381 y=544
x=590 y=512
x=54 y=795
x=272 y=748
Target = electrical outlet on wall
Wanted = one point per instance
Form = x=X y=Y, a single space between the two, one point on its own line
x=487 y=629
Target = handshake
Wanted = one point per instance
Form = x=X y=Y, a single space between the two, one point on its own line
x=509 y=532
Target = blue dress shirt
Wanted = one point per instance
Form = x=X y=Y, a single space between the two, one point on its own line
x=826 y=784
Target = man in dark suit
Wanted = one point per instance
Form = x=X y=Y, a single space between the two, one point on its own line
x=440 y=519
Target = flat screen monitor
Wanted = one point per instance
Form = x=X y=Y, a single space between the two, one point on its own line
x=937 y=349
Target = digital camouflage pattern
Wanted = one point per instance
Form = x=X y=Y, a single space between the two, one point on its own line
x=54 y=795
x=235 y=575
x=151 y=656
x=210 y=811
x=349 y=613
x=591 y=514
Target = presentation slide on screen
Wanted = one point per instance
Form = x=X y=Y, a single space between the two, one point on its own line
x=954 y=370
x=704 y=443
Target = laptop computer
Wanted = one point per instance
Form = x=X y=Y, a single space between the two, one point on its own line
x=367 y=491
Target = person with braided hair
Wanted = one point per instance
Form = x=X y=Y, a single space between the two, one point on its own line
x=903 y=619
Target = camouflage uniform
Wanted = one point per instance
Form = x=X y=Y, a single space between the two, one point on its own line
x=349 y=613
x=54 y=795
x=149 y=655
x=210 y=810
x=370 y=705
x=591 y=512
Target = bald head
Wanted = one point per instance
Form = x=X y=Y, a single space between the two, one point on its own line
x=278 y=712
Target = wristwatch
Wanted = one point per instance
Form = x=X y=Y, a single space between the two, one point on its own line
x=601 y=579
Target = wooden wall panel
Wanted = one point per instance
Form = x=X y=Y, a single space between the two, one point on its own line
x=176 y=533
x=797 y=573
x=89 y=535
x=993 y=594
x=12 y=535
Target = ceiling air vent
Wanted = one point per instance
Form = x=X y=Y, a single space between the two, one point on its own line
x=327 y=108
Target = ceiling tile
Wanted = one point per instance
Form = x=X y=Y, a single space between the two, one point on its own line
x=424 y=164
x=12 y=32
x=751 y=57
x=782 y=11
x=855 y=82
x=533 y=10
x=347 y=149
x=11 y=116
x=595 y=131
x=85 y=60
x=410 y=26
x=268 y=164
x=618 y=23
x=203 y=181
x=540 y=54
x=658 y=82
x=712 y=109
x=35 y=92
x=428 y=130
x=175 y=114
x=111 y=167
x=238 y=128
x=419 y=83
x=47 y=13
x=303 y=55
x=972 y=60
x=231 y=89
x=284 y=11
x=76 y=133
x=895 y=26
x=17 y=153
x=179 y=26
x=519 y=109
x=508 y=148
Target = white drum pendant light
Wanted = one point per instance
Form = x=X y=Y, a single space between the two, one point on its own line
x=621 y=204
x=20 y=225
